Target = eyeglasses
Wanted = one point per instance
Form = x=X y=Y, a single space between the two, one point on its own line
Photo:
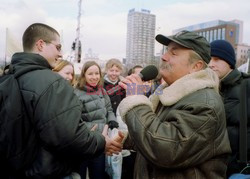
x=58 y=46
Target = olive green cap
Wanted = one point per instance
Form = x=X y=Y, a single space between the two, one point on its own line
x=189 y=40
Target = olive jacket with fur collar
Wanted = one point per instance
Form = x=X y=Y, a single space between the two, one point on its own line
x=180 y=131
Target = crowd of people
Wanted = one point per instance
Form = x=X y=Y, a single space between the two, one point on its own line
x=190 y=130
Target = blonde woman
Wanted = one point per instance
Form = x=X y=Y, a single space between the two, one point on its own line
x=66 y=70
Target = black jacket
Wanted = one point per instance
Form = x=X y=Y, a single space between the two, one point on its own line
x=115 y=96
x=231 y=93
x=55 y=113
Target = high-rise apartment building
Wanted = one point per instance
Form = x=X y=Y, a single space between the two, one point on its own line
x=140 y=38
x=231 y=31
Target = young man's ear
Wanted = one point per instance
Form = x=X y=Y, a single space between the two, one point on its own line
x=39 y=45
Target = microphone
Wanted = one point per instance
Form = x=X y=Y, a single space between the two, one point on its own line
x=148 y=73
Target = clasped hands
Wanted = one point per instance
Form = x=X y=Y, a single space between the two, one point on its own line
x=114 y=145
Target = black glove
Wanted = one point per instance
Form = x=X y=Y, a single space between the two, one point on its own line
x=113 y=124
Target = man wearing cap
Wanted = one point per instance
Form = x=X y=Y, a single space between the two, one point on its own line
x=231 y=84
x=180 y=132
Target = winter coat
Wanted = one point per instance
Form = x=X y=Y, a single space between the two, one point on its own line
x=96 y=106
x=180 y=132
x=231 y=93
x=55 y=119
x=115 y=97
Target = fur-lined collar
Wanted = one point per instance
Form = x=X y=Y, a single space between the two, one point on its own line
x=169 y=95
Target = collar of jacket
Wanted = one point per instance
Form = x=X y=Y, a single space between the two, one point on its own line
x=28 y=61
x=184 y=86
x=108 y=81
x=231 y=78
x=169 y=95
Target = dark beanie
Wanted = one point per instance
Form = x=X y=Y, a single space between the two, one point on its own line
x=223 y=50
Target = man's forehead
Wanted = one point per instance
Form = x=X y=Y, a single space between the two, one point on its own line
x=174 y=45
x=57 y=38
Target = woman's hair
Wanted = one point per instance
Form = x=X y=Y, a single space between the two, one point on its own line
x=113 y=61
x=61 y=64
x=82 y=80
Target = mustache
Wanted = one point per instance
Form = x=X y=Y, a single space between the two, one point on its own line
x=164 y=65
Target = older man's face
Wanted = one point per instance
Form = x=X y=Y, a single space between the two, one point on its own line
x=175 y=63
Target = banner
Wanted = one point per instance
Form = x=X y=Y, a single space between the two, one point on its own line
x=12 y=46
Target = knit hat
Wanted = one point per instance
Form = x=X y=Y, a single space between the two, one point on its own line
x=223 y=50
x=190 y=40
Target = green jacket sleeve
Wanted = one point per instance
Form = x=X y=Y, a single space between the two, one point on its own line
x=58 y=118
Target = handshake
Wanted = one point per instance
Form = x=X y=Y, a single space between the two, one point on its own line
x=113 y=145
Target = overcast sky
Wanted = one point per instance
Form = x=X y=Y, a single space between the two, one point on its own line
x=104 y=22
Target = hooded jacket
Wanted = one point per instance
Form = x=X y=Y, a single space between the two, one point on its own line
x=55 y=117
x=180 y=132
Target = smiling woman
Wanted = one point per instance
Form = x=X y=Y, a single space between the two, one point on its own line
x=66 y=70
x=96 y=112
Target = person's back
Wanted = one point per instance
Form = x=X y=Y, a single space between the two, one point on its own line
x=231 y=83
x=56 y=132
x=14 y=155
x=50 y=116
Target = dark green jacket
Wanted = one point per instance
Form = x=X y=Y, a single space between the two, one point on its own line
x=55 y=113
x=180 y=132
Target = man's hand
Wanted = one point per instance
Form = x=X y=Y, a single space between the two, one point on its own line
x=133 y=85
x=112 y=146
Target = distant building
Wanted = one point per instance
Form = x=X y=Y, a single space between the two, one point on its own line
x=226 y=30
x=242 y=53
x=140 y=38
x=231 y=31
x=90 y=56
